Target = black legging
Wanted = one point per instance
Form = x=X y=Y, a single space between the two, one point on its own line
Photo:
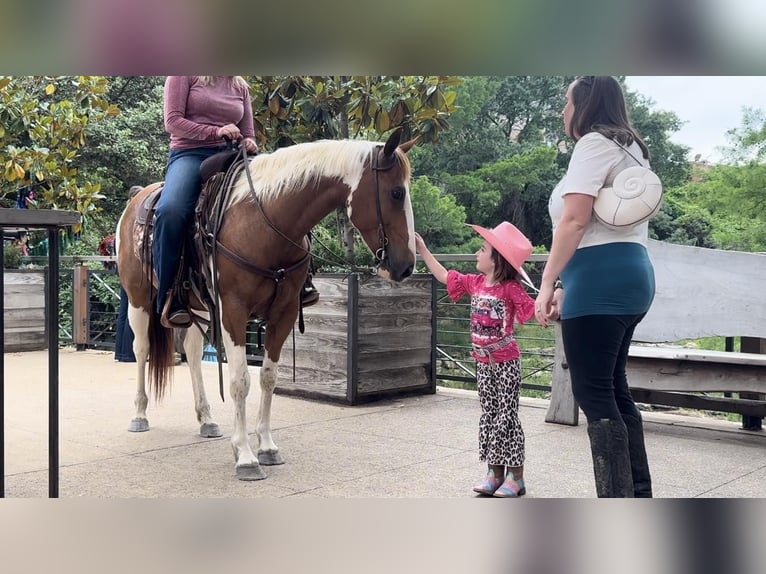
x=596 y=348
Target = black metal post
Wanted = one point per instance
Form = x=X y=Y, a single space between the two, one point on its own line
x=52 y=304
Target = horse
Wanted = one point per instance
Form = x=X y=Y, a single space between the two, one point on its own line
x=273 y=203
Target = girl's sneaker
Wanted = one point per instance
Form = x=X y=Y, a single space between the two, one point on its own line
x=511 y=488
x=489 y=484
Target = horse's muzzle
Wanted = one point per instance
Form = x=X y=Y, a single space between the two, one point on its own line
x=395 y=273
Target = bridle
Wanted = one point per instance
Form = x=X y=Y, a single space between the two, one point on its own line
x=380 y=253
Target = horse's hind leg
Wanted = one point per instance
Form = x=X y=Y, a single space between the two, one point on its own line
x=139 y=323
x=193 y=349
x=246 y=466
x=268 y=452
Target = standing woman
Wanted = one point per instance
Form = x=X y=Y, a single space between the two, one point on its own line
x=600 y=282
x=199 y=111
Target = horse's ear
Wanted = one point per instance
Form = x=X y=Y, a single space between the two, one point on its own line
x=407 y=146
x=392 y=142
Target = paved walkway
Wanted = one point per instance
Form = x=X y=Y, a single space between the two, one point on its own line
x=415 y=447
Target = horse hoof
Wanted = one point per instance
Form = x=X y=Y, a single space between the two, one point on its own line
x=210 y=430
x=250 y=472
x=270 y=457
x=139 y=425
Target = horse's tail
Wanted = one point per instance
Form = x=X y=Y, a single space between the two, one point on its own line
x=161 y=355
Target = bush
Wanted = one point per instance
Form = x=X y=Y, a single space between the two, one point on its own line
x=11 y=256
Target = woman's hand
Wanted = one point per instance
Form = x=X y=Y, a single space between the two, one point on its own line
x=548 y=304
x=250 y=146
x=230 y=131
x=558 y=298
x=544 y=304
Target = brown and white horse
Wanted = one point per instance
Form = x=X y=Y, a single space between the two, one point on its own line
x=296 y=187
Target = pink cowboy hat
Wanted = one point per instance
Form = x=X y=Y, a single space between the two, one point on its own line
x=511 y=243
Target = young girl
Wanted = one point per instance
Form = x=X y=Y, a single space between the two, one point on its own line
x=497 y=300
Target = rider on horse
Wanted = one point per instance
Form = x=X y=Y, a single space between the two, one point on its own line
x=201 y=113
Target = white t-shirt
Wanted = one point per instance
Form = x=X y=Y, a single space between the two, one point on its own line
x=596 y=160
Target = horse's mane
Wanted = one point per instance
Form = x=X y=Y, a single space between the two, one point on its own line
x=290 y=169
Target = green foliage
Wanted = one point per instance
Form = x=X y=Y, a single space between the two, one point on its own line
x=11 y=256
x=129 y=148
x=293 y=109
x=669 y=160
x=514 y=189
x=438 y=217
x=497 y=116
x=43 y=123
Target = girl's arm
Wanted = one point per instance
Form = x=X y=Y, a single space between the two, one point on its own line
x=436 y=268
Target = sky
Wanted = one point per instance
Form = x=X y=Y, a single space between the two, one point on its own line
x=710 y=106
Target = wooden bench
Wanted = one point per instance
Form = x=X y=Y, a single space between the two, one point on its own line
x=700 y=293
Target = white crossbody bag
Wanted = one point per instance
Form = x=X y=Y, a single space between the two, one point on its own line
x=634 y=197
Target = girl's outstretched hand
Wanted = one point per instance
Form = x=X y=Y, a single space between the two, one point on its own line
x=419 y=243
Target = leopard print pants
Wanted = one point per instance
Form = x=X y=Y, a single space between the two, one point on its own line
x=501 y=438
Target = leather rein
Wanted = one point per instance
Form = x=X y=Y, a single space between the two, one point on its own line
x=279 y=275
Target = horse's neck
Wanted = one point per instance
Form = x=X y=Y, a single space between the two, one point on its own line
x=308 y=208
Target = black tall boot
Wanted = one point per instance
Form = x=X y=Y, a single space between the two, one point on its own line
x=611 y=458
x=639 y=465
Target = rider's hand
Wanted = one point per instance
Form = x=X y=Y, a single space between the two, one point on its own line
x=230 y=131
x=250 y=146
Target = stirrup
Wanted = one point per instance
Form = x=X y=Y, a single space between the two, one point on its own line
x=178 y=318
x=309 y=293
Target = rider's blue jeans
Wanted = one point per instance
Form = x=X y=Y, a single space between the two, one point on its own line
x=174 y=214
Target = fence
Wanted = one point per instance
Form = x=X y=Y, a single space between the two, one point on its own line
x=90 y=300
x=87 y=319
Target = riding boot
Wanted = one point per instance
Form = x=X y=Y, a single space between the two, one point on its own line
x=309 y=293
x=611 y=458
x=639 y=465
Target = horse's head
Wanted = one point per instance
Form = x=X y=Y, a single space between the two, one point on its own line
x=381 y=210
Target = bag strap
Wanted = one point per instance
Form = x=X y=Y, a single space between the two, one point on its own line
x=628 y=152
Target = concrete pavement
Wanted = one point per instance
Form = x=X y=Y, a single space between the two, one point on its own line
x=413 y=447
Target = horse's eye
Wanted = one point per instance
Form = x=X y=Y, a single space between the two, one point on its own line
x=397 y=193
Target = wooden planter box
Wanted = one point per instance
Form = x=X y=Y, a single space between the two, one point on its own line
x=24 y=310
x=365 y=339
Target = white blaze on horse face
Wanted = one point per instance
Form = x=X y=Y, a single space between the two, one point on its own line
x=410 y=220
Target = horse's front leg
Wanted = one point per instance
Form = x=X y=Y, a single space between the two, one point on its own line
x=246 y=465
x=193 y=350
x=139 y=323
x=268 y=452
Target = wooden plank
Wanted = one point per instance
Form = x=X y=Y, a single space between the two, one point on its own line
x=704 y=293
x=393 y=380
x=38 y=217
x=683 y=400
x=562 y=408
x=25 y=341
x=699 y=355
x=396 y=358
x=691 y=376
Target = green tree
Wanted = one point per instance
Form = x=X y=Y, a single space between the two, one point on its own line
x=497 y=117
x=293 y=109
x=514 y=189
x=126 y=149
x=43 y=126
x=669 y=160
x=438 y=217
